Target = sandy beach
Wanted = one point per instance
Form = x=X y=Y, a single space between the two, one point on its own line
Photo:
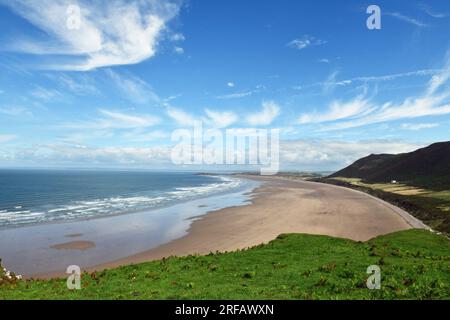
x=279 y=206
x=226 y=222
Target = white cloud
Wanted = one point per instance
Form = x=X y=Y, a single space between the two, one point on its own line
x=330 y=83
x=433 y=102
x=79 y=84
x=231 y=84
x=181 y=117
x=15 y=111
x=116 y=120
x=438 y=80
x=419 y=126
x=46 y=94
x=70 y=154
x=366 y=79
x=177 y=37
x=305 y=42
x=134 y=88
x=407 y=19
x=144 y=136
x=220 y=119
x=7 y=137
x=213 y=118
x=334 y=154
x=339 y=110
x=428 y=10
x=270 y=110
x=410 y=108
x=122 y=120
x=236 y=95
x=296 y=154
x=118 y=33
x=178 y=50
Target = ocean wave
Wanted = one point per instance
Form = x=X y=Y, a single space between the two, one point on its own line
x=86 y=209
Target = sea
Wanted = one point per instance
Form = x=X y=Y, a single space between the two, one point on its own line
x=121 y=212
x=30 y=197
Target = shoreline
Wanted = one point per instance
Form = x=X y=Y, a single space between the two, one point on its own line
x=279 y=205
x=39 y=250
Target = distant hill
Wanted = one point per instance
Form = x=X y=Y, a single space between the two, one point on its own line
x=428 y=167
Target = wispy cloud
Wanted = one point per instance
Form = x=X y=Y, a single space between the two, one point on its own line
x=212 y=118
x=338 y=110
x=305 y=42
x=407 y=19
x=236 y=95
x=332 y=80
x=133 y=87
x=79 y=84
x=418 y=126
x=177 y=37
x=7 y=138
x=14 y=111
x=140 y=135
x=220 y=119
x=116 y=120
x=428 y=10
x=433 y=102
x=178 y=50
x=245 y=93
x=46 y=94
x=181 y=117
x=330 y=83
x=119 y=33
x=270 y=111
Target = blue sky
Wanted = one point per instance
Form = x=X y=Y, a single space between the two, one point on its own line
x=111 y=92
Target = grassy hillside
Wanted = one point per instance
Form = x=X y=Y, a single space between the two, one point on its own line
x=414 y=264
x=426 y=168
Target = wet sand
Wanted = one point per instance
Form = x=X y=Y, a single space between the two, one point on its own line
x=47 y=249
x=74 y=245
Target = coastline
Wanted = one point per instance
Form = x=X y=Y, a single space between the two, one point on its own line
x=280 y=205
x=48 y=249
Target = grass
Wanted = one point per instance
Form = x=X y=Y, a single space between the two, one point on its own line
x=415 y=264
x=432 y=206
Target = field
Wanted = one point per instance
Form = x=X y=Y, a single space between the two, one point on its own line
x=432 y=206
x=415 y=264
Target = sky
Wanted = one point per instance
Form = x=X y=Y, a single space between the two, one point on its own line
x=108 y=89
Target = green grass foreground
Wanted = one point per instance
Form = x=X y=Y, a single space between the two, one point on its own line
x=415 y=264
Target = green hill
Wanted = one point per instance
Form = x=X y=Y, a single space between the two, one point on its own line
x=414 y=265
x=426 y=168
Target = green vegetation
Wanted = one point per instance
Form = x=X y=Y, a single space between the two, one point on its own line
x=415 y=264
x=432 y=206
